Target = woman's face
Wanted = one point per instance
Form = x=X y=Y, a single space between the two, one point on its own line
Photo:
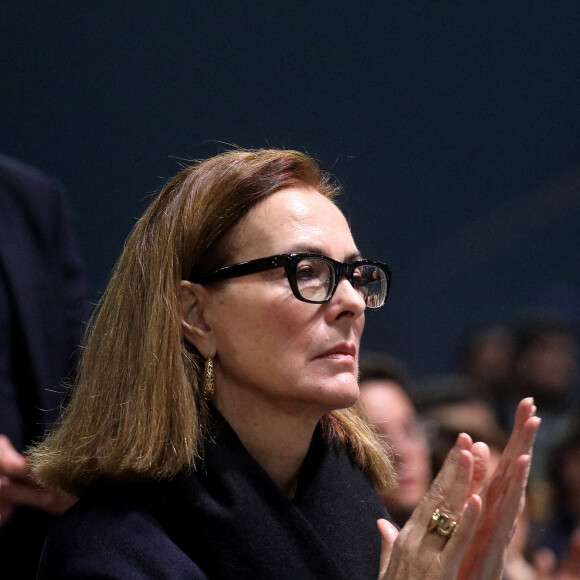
x=271 y=348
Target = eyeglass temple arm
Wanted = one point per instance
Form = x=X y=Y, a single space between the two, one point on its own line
x=241 y=269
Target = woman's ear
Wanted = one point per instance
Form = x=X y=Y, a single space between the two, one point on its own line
x=195 y=329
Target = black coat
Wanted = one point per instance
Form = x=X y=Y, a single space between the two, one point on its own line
x=45 y=291
x=227 y=520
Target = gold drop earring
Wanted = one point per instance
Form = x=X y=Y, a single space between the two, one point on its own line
x=208 y=389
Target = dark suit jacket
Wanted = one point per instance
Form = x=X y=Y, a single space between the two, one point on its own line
x=46 y=292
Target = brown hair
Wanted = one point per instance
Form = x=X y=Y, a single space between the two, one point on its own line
x=137 y=409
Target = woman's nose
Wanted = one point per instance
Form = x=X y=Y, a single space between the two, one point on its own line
x=349 y=298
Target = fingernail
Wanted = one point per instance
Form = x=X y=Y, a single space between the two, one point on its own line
x=458 y=439
x=464 y=459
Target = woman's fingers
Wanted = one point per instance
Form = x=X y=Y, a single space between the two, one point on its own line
x=504 y=499
x=464 y=533
x=510 y=503
x=451 y=487
x=526 y=408
x=446 y=478
x=450 y=532
x=523 y=434
x=505 y=495
x=513 y=468
x=389 y=534
x=434 y=540
x=480 y=452
x=453 y=501
x=442 y=508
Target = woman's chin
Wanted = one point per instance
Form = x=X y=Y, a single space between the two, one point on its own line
x=342 y=395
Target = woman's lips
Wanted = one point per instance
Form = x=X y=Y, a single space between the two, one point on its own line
x=342 y=352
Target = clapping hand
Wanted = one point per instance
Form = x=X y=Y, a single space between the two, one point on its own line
x=461 y=528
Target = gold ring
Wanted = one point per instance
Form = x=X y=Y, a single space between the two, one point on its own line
x=441 y=523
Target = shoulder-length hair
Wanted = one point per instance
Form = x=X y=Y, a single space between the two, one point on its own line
x=137 y=409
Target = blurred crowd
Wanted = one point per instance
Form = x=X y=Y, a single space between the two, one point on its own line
x=498 y=366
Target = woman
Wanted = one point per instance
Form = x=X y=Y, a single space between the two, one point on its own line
x=214 y=431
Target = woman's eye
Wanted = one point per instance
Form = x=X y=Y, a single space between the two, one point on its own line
x=305 y=272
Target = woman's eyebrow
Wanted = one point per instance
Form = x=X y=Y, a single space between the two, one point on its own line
x=354 y=257
x=310 y=249
x=306 y=248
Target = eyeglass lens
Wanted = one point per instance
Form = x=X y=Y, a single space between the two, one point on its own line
x=315 y=279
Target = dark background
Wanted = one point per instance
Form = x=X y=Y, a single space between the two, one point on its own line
x=453 y=127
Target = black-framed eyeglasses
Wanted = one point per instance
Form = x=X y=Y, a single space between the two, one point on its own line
x=313 y=277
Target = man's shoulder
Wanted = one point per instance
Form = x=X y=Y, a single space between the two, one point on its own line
x=18 y=175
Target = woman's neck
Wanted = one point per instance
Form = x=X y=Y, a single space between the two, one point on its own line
x=276 y=438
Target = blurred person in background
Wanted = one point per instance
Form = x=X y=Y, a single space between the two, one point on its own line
x=383 y=383
x=485 y=359
x=486 y=355
x=546 y=360
x=564 y=479
x=537 y=355
x=456 y=402
x=545 y=365
x=42 y=304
